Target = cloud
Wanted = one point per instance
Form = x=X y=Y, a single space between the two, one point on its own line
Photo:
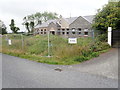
x=17 y=9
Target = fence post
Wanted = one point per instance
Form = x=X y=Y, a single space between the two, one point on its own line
x=110 y=36
x=22 y=41
x=48 y=43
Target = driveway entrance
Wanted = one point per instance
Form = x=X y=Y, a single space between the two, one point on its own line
x=105 y=65
x=116 y=38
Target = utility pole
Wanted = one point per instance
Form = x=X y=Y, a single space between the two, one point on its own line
x=93 y=34
x=48 y=43
x=22 y=41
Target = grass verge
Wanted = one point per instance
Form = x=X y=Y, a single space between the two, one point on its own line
x=35 y=48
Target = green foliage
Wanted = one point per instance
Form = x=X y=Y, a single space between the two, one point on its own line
x=49 y=15
x=80 y=58
x=102 y=37
x=108 y=16
x=12 y=26
x=3 y=31
x=17 y=29
x=27 y=26
x=32 y=20
x=2 y=28
x=32 y=26
x=35 y=48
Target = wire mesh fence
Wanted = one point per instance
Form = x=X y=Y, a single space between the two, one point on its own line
x=34 y=47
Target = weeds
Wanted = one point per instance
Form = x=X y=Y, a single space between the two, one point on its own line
x=63 y=53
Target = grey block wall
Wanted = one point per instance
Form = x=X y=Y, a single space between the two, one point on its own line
x=82 y=23
x=79 y=23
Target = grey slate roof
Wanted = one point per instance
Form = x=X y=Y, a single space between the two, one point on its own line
x=89 y=18
x=45 y=24
x=69 y=20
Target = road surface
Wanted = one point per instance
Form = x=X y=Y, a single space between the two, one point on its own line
x=22 y=73
x=106 y=65
x=0 y=71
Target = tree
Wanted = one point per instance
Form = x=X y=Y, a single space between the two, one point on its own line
x=26 y=23
x=2 y=28
x=29 y=23
x=38 y=17
x=12 y=26
x=49 y=16
x=108 y=16
x=27 y=26
x=32 y=26
x=45 y=16
x=17 y=29
x=52 y=15
x=33 y=20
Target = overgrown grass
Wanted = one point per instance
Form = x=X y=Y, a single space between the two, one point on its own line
x=35 y=48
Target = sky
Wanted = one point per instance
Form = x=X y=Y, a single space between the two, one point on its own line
x=18 y=9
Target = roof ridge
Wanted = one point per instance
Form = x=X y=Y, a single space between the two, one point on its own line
x=89 y=18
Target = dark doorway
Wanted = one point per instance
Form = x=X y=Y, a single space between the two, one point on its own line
x=116 y=38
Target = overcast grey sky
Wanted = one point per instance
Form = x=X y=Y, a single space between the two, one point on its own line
x=17 y=9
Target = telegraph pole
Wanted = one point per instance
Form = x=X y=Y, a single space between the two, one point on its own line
x=22 y=41
x=48 y=43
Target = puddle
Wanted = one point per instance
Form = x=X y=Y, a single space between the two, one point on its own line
x=58 y=69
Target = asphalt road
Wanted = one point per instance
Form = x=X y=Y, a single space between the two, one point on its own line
x=0 y=71
x=22 y=73
x=105 y=65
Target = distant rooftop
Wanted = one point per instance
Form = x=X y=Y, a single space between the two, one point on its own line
x=45 y=24
x=89 y=18
x=69 y=20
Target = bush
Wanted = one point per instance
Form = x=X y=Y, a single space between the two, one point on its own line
x=95 y=54
x=80 y=58
x=102 y=37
